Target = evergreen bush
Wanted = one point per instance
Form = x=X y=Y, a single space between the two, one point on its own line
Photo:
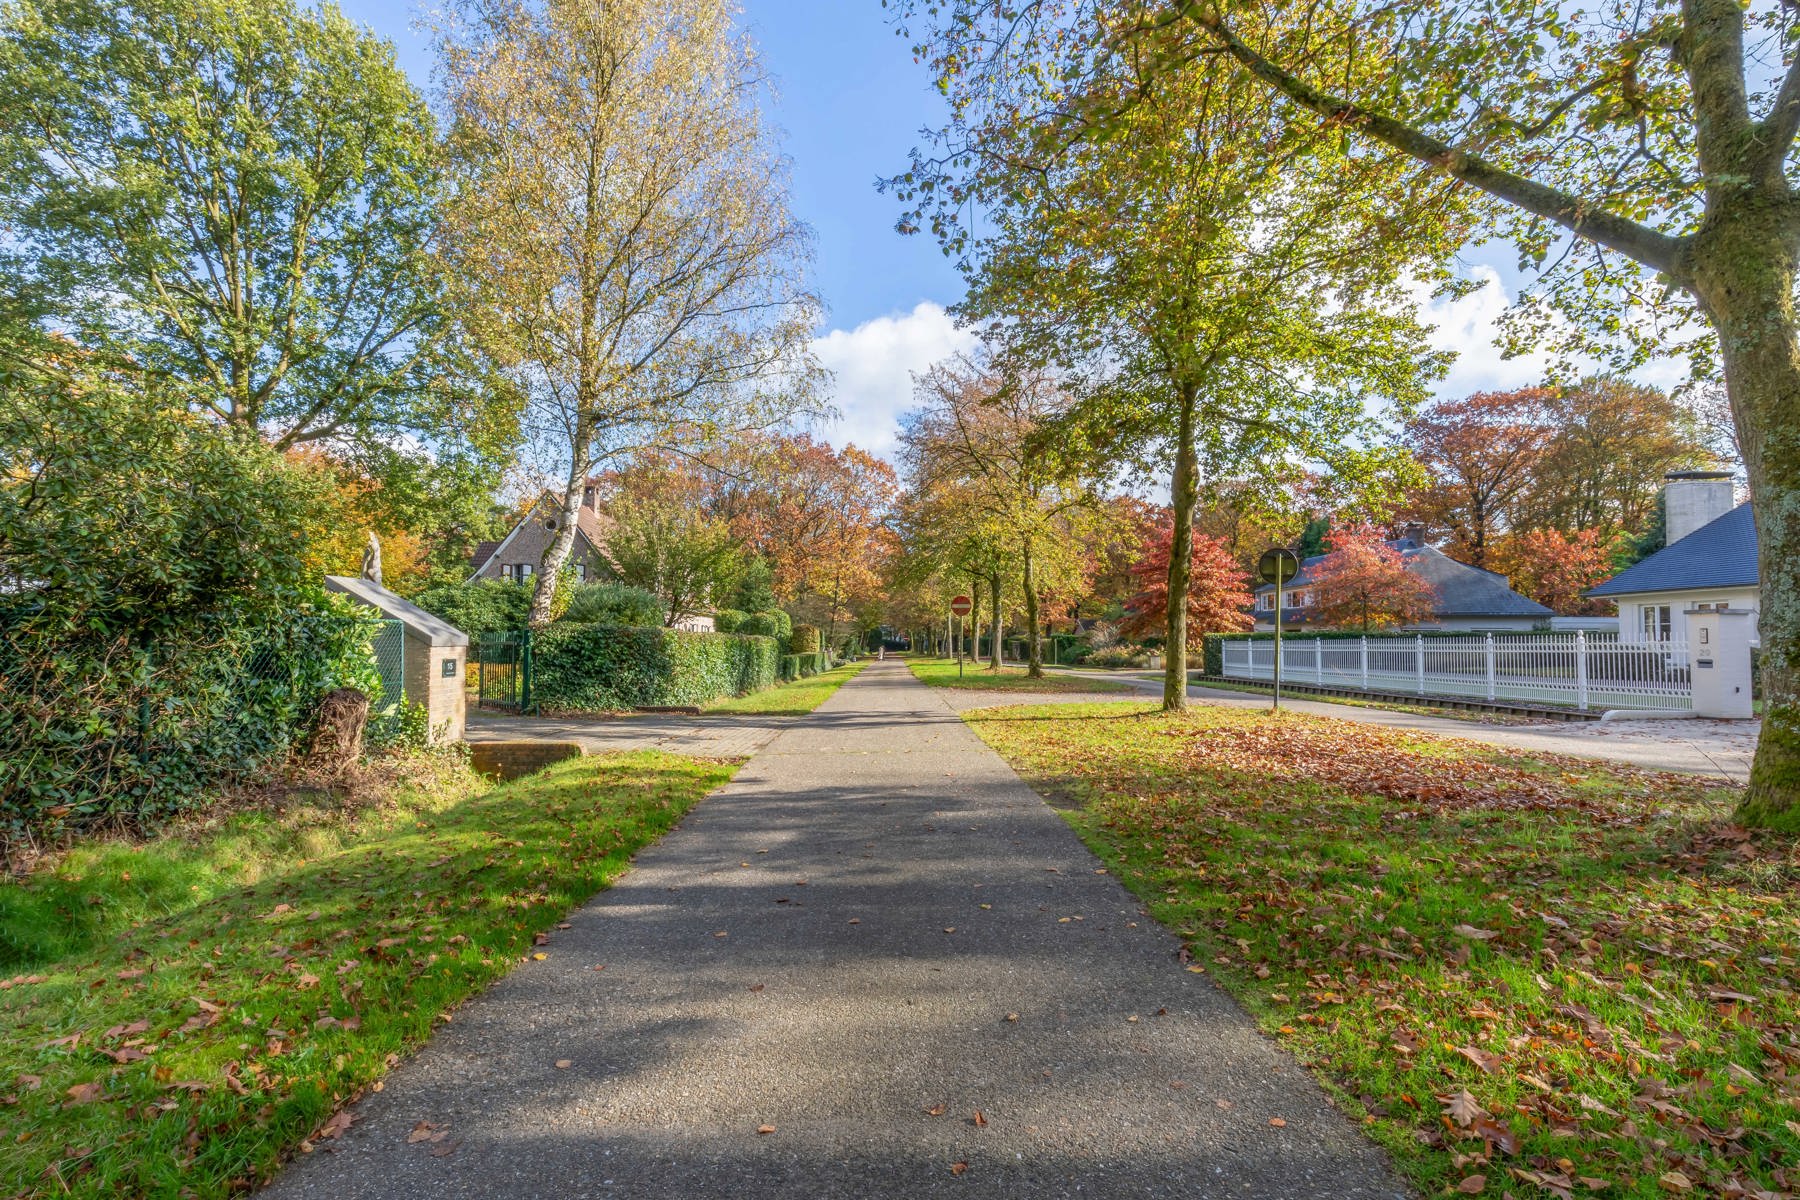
x=610 y=668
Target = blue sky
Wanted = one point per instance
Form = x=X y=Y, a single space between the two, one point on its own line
x=851 y=103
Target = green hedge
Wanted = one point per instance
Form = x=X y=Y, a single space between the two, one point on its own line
x=805 y=640
x=727 y=620
x=773 y=623
x=609 y=668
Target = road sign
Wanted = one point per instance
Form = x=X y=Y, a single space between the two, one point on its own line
x=962 y=606
x=1277 y=566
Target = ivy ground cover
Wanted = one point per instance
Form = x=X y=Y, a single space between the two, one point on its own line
x=192 y=1053
x=1527 y=976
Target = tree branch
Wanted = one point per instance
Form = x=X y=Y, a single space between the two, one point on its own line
x=1655 y=250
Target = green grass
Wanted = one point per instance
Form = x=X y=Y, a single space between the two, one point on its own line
x=1539 y=971
x=791 y=698
x=1472 y=716
x=942 y=672
x=190 y=1054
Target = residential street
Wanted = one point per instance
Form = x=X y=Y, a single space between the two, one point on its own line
x=875 y=965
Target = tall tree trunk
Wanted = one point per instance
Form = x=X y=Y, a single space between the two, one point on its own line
x=1034 y=657
x=999 y=622
x=556 y=555
x=1182 y=497
x=1745 y=278
x=975 y=616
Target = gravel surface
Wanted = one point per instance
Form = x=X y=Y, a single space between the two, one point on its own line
x=816 y=984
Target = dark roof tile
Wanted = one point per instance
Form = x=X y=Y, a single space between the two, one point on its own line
x=1721 y=553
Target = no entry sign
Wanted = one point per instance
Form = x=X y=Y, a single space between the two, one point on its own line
x=962 y=606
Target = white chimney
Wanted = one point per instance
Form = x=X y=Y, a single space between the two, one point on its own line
x=1695 y=498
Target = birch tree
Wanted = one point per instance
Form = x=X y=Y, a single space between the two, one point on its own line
x=622 y=223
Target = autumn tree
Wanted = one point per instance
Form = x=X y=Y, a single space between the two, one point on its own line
x=977 y=430
x=1363 y=582
x=1556 y=569
x=238 y=199
x=1214 y=290
x=688 y=559
x=1218 y=597
x=1603 y=467
x=1483 y=454
x=621 y=225
x=1656 y=139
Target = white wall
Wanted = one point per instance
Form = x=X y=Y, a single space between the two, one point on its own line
x=1632 y=606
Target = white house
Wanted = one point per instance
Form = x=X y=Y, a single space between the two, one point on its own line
x=1708 y=563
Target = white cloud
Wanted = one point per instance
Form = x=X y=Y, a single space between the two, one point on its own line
x=874 y=365
x=1470 y=326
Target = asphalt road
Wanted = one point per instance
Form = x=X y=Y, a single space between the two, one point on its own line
x=813 y=987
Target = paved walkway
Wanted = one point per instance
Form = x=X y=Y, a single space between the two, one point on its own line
x=874 y=923
x=720 y=735
x=1698 y=747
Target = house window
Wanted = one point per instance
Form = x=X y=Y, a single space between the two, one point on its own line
x=580 y=572
x=1658 y=626
x=517 y=572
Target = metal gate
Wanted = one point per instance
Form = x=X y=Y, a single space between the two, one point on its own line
x=500 y=670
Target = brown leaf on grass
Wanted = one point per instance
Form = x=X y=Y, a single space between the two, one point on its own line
x=1489 y=1063
x=131 y=1030
x=1462 y=1108
x=129 y=973
x=1675 y=1181
x=84 y=1093
x=1474 y=1185
x=337 y=1126
x=1469 y=931
x=957 y=1168
x=126 y=1054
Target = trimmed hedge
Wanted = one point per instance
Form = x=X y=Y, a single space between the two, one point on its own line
x=727 y=620
x=773 y=623
x=799 y=666
x=805 y=640
x=609 y=668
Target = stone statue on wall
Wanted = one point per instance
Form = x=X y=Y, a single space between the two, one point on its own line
x=371 y=564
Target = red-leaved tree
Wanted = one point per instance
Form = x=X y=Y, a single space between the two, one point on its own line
x=1555 y=568
x=1218 y=593
x=1363 y=583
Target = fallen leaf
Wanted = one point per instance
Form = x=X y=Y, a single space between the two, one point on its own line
x=979 y=1120
x=1675 y=1181
x=1469 y=931
x=563 y=1064
x=420 y=1132
x=84 y=1093
x=957 y=1168
x=1489 y=1063
x=1278 y=1123
x=340 y=1122
x=1473 y=1185
x=936 y=1110
x=765 y=1129
x=444 y=1150
x=1462 y=1107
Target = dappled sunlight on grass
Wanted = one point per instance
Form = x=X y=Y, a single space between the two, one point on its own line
x=943 y=672
x=191 y=1053
x=1542 y=970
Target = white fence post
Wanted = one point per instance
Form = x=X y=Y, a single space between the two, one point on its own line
x=1490 y=667
x=1581 y=670
x=1318 y=660
x=1365 y=661
x=1419 y=660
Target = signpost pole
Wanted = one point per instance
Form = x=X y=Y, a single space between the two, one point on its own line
x=1277 y=705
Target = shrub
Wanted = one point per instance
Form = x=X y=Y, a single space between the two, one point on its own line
x=773 y=623
x=161 y=628
x=608 y=668
x=727 y=620
x=483 y=606
x=614 y=604
x=805 y=639
x=1119 y=655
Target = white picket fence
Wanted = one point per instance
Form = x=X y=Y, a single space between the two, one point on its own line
x=1581 y=670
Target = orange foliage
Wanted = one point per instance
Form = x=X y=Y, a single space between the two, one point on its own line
x=1218 y=591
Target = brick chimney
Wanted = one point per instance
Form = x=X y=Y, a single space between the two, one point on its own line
x=1695 y=498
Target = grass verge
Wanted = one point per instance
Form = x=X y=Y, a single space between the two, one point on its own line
x=975 y=676
x=1527 y=975
x=1469 y=715
x=792 y=698
x=189 y=1055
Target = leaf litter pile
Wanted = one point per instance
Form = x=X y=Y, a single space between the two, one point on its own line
x=1527 y=975
x=192 y=1054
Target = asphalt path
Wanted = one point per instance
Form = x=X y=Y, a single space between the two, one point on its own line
x=875 y=965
